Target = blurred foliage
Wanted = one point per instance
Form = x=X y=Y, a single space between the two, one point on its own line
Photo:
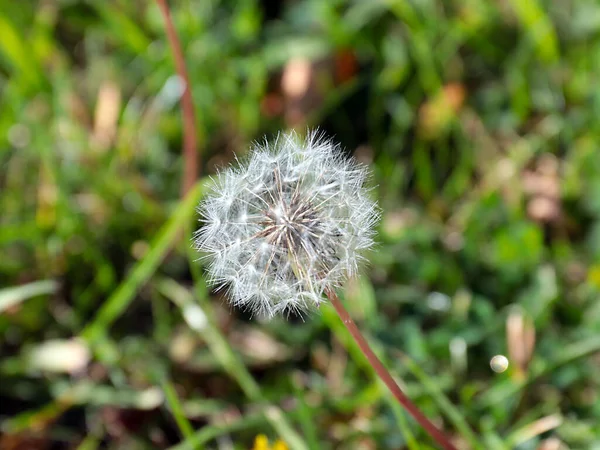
x=480 y=121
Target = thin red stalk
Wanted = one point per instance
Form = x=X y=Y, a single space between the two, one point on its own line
x=385 y=376
x=191 y=165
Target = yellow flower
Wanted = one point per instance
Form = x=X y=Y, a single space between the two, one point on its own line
x=279 y=445
x=262 y=443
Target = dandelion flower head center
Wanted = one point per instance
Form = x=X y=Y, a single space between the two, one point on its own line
x=287 y=225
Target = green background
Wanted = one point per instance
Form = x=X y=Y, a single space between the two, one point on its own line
x=480 y=122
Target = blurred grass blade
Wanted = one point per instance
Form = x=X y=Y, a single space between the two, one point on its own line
x=38 y=419
x=305 y=413
x=332 y=320
x=539 y=27
x=567 y=354
x=443 y=403
x=210 y=432
x=402 y=420
x=16 y=50
x=12 y=296
x=143 y=270
x=219 y=346
x=177 y=410
x=534 y=429
x=122 y=27
x=85 y=392
x=89 y=443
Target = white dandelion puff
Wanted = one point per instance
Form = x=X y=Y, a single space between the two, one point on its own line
x=290 y=223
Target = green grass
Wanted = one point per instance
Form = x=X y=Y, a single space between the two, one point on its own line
x=480 y=122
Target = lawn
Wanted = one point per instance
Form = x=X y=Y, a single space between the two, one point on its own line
x=479 y=122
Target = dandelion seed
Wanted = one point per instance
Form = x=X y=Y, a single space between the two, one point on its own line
x=287 y=225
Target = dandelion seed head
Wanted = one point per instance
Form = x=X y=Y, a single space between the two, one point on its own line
x=290 y=222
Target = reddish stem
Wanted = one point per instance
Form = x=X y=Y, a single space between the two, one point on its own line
x=190 y=155
x=385 y=376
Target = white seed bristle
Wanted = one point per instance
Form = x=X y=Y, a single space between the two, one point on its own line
x=292 y=221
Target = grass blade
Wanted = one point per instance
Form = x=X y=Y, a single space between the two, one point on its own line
x=14 y=295
x=443 y=403
x=143 y=270
x=177 y=410
x=199 y=318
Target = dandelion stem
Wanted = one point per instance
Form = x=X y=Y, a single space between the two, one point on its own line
x=385 y=376
x=190 y=154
